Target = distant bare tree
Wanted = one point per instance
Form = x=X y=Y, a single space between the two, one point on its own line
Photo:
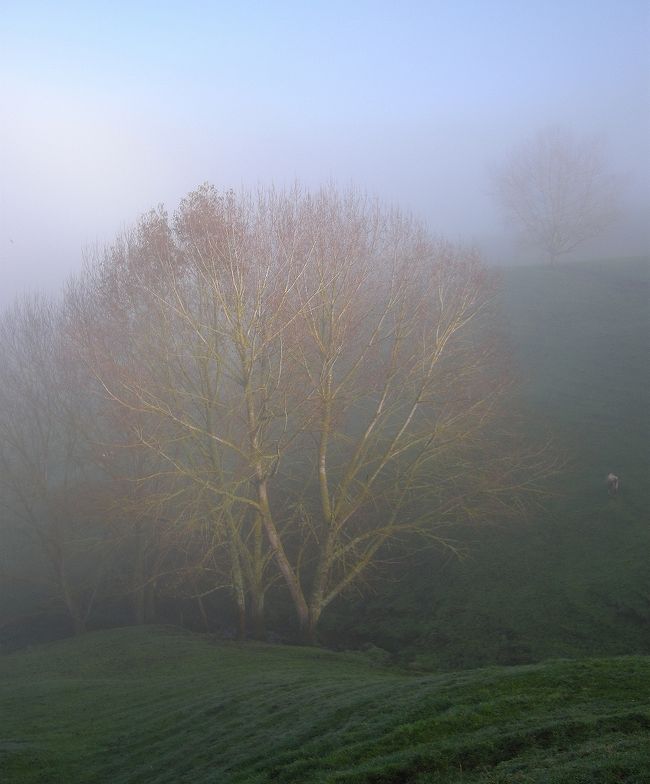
x=557 y=190
x=46 y=491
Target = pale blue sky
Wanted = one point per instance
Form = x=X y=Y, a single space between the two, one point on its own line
x=110 y=108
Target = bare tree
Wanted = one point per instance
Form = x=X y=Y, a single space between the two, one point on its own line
x=151 y=327
x=45 y=487
x=558 y=191
x=324 y=374
x=145 y=510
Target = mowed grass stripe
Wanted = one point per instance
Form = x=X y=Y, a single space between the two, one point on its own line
x=236 y=713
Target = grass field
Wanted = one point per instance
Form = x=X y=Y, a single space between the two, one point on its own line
x=155 y=704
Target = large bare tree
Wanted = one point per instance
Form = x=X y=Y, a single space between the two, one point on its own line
x=324 y=375
x=558 y=191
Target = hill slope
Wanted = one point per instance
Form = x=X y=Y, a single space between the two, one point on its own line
x=158 y=705
x=574 y=580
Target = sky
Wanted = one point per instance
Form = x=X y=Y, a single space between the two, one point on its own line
x=112 y=108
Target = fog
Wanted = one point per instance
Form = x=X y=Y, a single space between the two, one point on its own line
x=283 y=470
x=108 y=112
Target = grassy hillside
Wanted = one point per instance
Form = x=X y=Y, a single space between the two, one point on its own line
x=158 y=705
x=574 y=580
x=580 y=334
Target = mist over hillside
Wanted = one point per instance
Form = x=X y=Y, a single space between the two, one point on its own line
x=570 y=579
x=324 y=410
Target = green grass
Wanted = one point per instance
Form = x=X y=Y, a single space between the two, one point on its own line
x=159 y=705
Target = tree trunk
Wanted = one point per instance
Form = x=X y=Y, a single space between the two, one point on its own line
x=142 y=602
x=204 y=615
x=290 y=578
x=70 y=600
x=241 y=622
x=150 y=602
x=237 y=578
x=309 y=633
x=257 y=615
x=138 y=605
x=256 y=581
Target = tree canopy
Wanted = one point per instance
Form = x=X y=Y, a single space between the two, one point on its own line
x=281 y=385
x=557 y=191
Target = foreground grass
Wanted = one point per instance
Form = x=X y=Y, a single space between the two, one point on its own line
x=160 y=705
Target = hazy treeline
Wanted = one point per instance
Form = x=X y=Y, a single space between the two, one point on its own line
x=262 y=391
